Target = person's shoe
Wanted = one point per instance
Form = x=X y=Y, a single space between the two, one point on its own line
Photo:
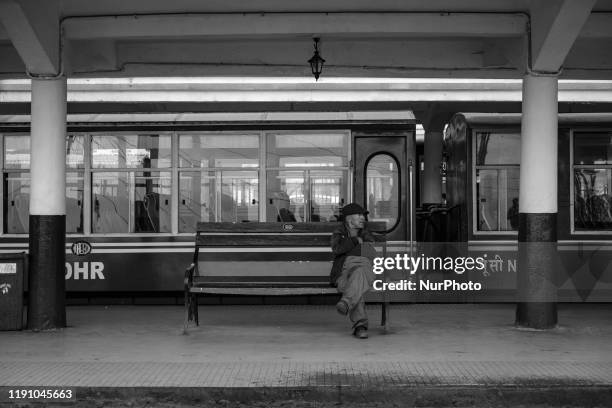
x=361 y=332
x=342 y=307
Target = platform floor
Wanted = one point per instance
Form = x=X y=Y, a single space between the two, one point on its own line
x=135 y=350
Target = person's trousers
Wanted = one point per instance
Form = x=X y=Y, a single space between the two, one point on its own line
x=355 y=280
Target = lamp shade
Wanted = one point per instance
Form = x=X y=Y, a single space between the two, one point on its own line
x=316 y=62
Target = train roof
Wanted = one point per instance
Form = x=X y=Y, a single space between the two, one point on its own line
x=400 y=116
x=474 y=118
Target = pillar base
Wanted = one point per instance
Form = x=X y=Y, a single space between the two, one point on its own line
x=536 y=289
x=533 y=315
x=47 y=287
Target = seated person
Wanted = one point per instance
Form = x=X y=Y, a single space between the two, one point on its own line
x=352 y=269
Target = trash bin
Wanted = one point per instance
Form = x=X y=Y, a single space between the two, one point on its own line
x=12 y=272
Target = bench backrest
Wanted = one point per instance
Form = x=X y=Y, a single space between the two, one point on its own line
x=267 y=234
x=260 y=251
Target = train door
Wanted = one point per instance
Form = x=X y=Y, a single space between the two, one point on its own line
x=381 y=180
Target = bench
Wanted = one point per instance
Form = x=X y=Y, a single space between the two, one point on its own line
x=275 y=259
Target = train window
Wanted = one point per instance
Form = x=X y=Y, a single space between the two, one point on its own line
x=74 y=202
x=498 y=148
x=17 y=183
x=497 y=192
x=17 y=202
x=16 y=152
x=75 y=160
x=306 y=176
x=218 y=178
x=222 y=150
x=305 y=195
x=217 y=196
x=592 y=202
x=286 y=195
x=123 y=200
x=75 y=151
x=131 y=202
x=327 y=192
x=497 y=158
x=592 y=169
x=130 y=151
x=382 y=177
x=128 y=177
x=593 y=148
x=306 y=150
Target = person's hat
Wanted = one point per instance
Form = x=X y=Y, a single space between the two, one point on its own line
x=353 y=208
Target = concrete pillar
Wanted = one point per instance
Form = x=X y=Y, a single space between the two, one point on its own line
x=432 y=179
x=537 y=306
x=46 y=308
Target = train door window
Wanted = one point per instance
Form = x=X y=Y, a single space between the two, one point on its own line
x=496 y=174
x=306 y=176
x=218 y=178
x=382 y=188
x=129 y=193
x=592 y=170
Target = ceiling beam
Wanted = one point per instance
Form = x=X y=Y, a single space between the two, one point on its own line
x=301 y=90
x=292 y=24
x=555 y=25
x=33 y=28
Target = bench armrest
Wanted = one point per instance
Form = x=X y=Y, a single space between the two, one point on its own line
x=189 y=276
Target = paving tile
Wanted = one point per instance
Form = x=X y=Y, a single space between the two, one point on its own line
x=376 y=374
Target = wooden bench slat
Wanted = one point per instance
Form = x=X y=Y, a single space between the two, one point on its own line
x=263 y=227
x=254 y=284
x=288 y=280
x=265 y=291
x=248 y=240
x=278 y=227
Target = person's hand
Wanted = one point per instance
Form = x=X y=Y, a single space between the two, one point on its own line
x=360 y=240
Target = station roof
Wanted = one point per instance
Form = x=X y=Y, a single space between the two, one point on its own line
x=273 y=38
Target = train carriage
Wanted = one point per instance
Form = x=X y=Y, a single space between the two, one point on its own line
x=482 y=189
x=137 y=184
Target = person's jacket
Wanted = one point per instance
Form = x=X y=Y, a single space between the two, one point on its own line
x=343 y=245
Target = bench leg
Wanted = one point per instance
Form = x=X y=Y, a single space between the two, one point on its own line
x=195 y=310
x=384 y=321
x=187 y=312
